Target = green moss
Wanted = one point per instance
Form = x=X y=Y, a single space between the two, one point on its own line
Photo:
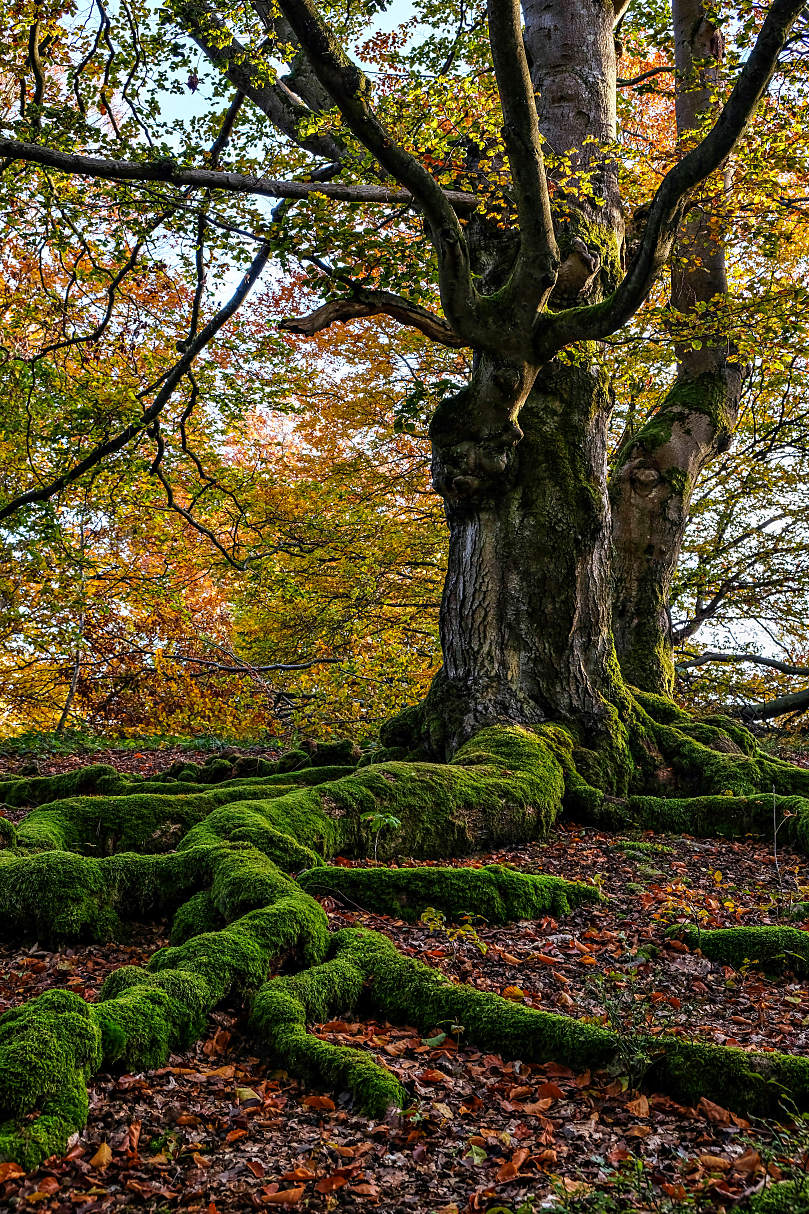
x=760 y=1085
x=199 y=914
x=772 y=949
x=729 y=816
x=294 y=760
x=643 y=847
x=48 y=1047
x=327 y=754
x=37 y=790
x=787 y=1197
x=503 y=786
x=279 y=1016
x=497 y=894
x=237 y=911
x=707 y=757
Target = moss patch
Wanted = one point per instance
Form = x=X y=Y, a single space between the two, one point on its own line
x=497 y=894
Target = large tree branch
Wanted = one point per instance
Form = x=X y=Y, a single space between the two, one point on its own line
x=535 y=272
x=373 y=303
x=110 y=446
x=350 y=89
x=285 y=110
x=795 y=701
x=171 y=173
x=668 y=204
x=710 y=656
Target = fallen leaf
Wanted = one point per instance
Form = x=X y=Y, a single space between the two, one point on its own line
x=549 y=1091
x=328 y=1184
x=8 y=1171
x=511 y=1167
x=713 y=1112
x=284 y=1197
x=319 y=1102
x=513 y=992
x=714 y=1163
x=102 y=1157
x=639 y=1106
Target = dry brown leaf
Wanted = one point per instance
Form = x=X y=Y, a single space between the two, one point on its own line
x=714 y=1112
x=328 y=1184
x=284 y=1197
x=715 y=1163
x=102 y=1158
x=319 y=1102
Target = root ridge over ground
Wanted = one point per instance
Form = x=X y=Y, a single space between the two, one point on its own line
x=236 y=860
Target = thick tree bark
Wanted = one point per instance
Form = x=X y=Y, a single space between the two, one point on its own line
x=519 y=456
x=657 y=468
x=525 y=616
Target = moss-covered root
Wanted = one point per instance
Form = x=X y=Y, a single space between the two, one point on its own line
x=281 y=1011
x=37 y=790
x=772 y=949
x=49 y=1046
x=504 y=785
x=495 y=893
x=713 y=755
x=407 y=991
x=787 y=1197
x=64 y=896
x=728 y=816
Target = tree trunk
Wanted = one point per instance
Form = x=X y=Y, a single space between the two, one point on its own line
x=525 y=615
x=656 y=470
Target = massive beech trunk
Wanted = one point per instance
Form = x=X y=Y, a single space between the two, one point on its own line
x=525 y=616
x=526 y=610
x=657 y=468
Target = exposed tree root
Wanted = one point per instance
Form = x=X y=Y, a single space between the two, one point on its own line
x=787 y=1197
x=216 y=858
x=771 y=949
x=498 y=895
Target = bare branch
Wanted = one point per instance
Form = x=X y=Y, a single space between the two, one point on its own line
x=653 y=71
x=350 y=89
x=374 y=303
x=795 y=701
x=536 y=268
x=285 y=110
x=170 y=382
x=169 y=172
x=248 y=669
x=714 y=656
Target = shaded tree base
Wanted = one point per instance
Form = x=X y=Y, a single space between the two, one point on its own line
x=212 y=848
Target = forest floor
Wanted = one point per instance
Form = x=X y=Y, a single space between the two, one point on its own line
x=218 y=1131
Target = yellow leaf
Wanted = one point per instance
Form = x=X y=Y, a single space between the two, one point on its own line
x=102 y=1157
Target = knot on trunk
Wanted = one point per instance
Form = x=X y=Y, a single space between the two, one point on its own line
x=475 y=437
x=577 y=274
x=476 y=468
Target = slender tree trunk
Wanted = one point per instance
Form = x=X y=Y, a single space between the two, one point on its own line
x=657 y=468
